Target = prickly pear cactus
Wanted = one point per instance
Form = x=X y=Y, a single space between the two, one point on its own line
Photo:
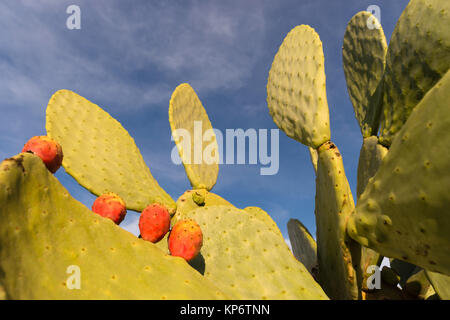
x=370 y=158
x=418 y=56
x=200 y=159
x=44 y=231
x=364 y=56
x=248 y=261
x=303 y=244
x=337 y=254
x=100 y=154
x=296 y=93
x=186 y=203
x=403 y=213
x=441 y=283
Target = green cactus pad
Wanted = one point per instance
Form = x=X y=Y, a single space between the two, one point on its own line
x=100 y=154
x=184 y=110
x=364 y=57
x=242 y=257
x=418 y=56
x=303 y=244
x=403 y=213
x=370 y=158
x=43 y=231
x=262 y=215
x=296 y=92
x=2 y=293
x=440 y=283
x=186 y=203
x=417 y=286
x=313 y=155
x=338 y=255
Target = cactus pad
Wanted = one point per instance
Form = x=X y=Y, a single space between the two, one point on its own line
x=186 y=203
x=338 y=255
x=100 y=154
x=364 y=56
x=403 y=213
x=265 y=217
x=242 y=257
x=313 y=156
x=296 y=92
x=370 y=158
x=440 y=283
x=184 y=111
x=43 y=231
x=418 y=56
x=303 y=244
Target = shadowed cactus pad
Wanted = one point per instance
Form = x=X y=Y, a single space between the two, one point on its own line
x=185 y=111
x=303 y=244
x=364 y=56
x=370 y=158
x=403 y=213
x=296 y=93
x=247 y=261
x=43 y=231
x=418 y=56
x=100 y=154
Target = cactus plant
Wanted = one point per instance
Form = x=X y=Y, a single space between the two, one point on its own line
x=398 y=208
x=400 y=97
x=44 y=231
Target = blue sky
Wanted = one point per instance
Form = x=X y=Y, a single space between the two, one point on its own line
x=129 y=56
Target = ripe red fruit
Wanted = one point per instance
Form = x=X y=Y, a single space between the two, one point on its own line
x=185 y=239
x=154 y=222
x=110 y=205
x=47 y=149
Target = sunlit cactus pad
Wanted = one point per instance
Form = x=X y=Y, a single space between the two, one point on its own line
x=43 y=231
x=246 y=261
x=100 y=154
x=296 y=93
x=403 y=213
x=185 y=109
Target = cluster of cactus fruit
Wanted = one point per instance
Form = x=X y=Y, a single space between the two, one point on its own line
x=400 y=95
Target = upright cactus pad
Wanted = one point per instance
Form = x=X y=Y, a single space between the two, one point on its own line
x=403 y=213
x=338 y=255
x=303 y=244
x=44 y=231
x=100 y=154
x=246 y=261
x=370 y=158
x=418 y=56
x=364 y=56
x=200 y=158
x=296 y=92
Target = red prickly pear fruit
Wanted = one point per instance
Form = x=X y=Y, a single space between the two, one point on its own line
x=110 y=205
x=185 y=239
x=47 y=149
x=154 y=222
